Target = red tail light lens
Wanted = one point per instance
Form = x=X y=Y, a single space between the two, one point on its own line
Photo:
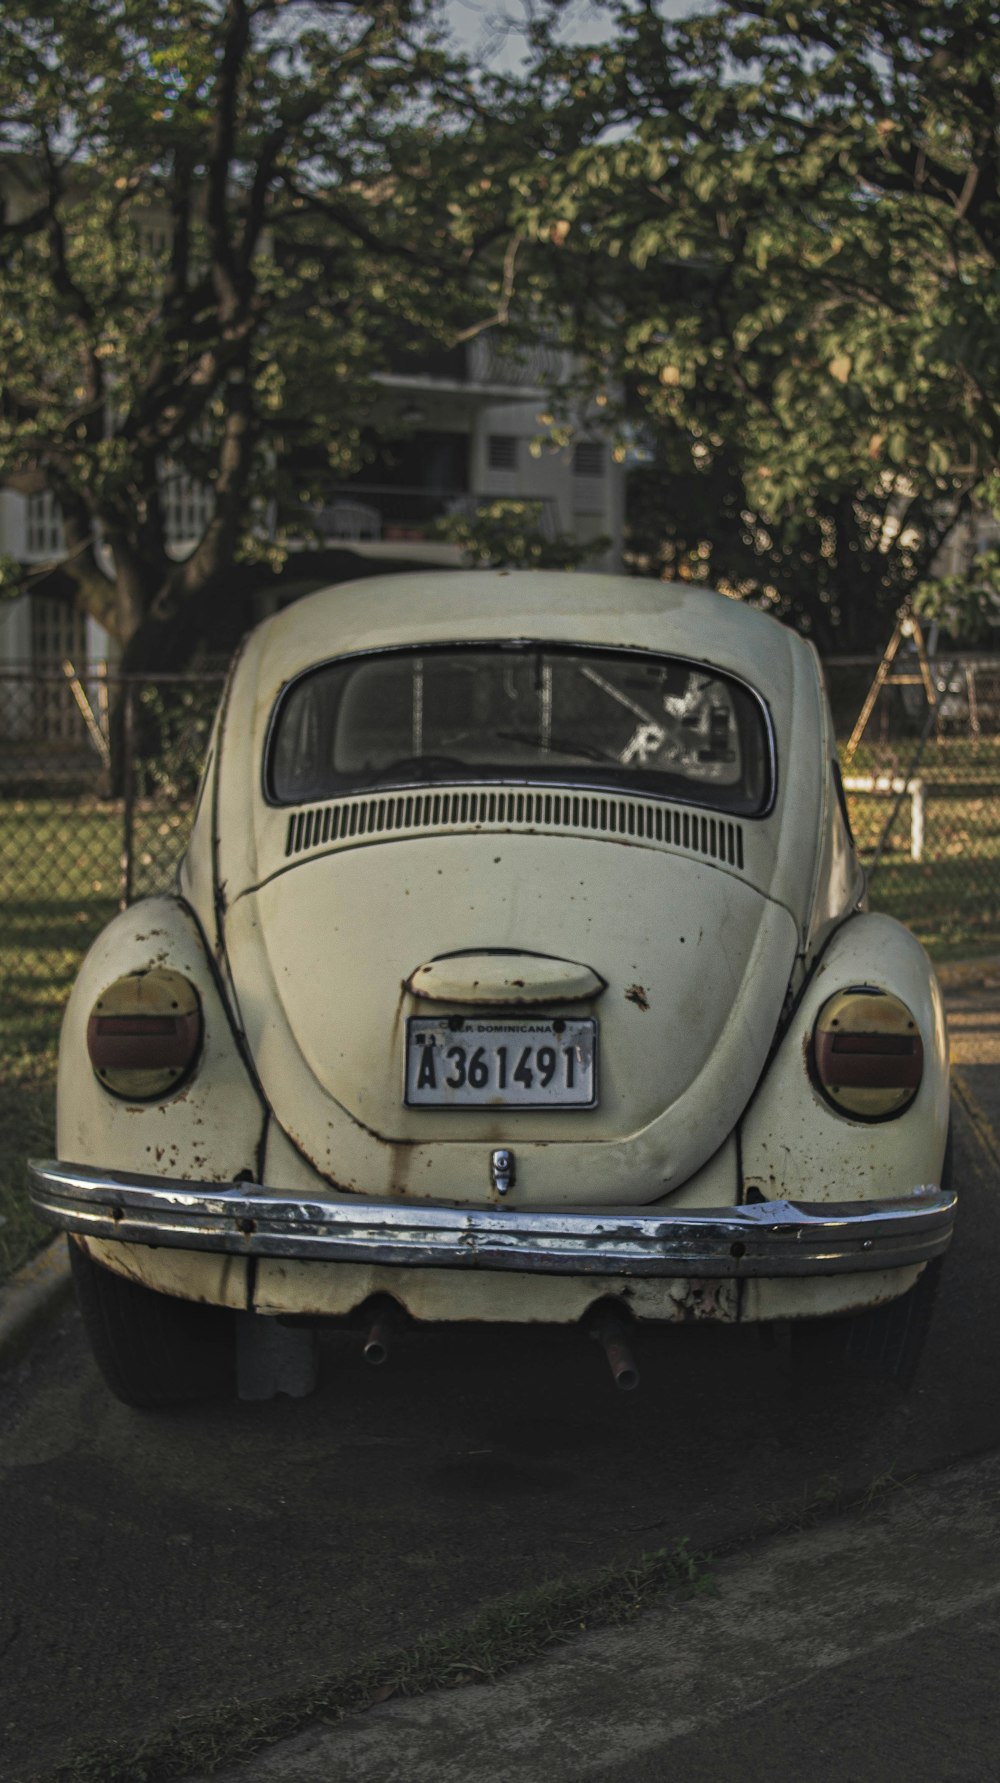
x=867 y=1054
x=144 y=1034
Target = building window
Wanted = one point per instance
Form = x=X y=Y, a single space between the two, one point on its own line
x=588 y=458
x=58 y=635
x=44 y=528
x=501 y=451
x=187 y=507
x=58 y=631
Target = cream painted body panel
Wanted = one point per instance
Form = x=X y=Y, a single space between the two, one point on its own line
x=716 y=1184
x=208 y=1276
x=696 y=965
x=793 y=1143
x=212 y=1128
x=449 y=1295
x=838 y=877
x=767 y=1300
x=313 y=1289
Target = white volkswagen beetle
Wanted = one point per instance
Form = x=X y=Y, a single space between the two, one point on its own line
x=518 y=970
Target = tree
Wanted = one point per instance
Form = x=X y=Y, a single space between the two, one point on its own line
x=219 y=217
x=510 y=533
x=781 y=237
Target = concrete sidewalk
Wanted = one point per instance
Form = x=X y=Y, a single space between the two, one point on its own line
x=861 y=1650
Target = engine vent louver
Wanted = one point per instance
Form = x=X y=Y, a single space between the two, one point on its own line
x=647 y=821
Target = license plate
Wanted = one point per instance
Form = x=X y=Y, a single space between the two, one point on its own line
x=461 y=1063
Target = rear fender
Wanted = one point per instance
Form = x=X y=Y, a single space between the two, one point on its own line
x=793 y=1143
x=213 y=1126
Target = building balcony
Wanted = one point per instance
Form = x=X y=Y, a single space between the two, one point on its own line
x=489 y=365
x=393 y=514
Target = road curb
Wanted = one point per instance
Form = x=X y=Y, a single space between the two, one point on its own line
x=30 y=1296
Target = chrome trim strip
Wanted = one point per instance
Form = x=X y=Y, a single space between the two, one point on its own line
x=764 y=1238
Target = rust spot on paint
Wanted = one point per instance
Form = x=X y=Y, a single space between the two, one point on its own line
x=637 y=995
x=696 y=1299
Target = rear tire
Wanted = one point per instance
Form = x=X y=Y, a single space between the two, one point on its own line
x=153 y=1349
x=885 y=1341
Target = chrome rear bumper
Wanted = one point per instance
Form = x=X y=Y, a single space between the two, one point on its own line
x=764 y=1238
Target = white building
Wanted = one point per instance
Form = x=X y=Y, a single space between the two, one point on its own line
x=453 y=436
x=467 y=429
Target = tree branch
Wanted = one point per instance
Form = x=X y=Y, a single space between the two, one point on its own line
x=214 y=549
x=501 y=315
x=236 y=37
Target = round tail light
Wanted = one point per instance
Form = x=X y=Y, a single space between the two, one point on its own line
x=144 y=1034
x=867 y=1054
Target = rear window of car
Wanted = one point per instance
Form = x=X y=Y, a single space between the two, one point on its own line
x=527 y=712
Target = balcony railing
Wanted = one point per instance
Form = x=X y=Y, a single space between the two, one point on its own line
x=357 y=513
x=490 y=358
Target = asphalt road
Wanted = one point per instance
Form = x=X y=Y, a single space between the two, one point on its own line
x=152 y=1565
x=861 y=1650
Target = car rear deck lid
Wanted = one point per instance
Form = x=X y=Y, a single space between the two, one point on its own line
x=502 y=976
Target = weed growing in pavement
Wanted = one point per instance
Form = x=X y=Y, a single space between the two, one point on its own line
x=880 y=1486
x=508 y=1633
x=829 y=1497
x=814 y=1502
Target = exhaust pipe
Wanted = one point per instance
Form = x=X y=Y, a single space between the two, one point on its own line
x=621 y=1361
x=379 y=1335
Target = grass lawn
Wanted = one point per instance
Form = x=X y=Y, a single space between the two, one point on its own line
x=40 y=951
x=925 y=898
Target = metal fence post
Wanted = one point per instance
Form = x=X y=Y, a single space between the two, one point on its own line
x=128 y=796
x=917 y=796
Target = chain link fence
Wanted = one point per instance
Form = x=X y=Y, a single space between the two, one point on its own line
x=98 y=777
x=97 y=783
x=923 y=789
